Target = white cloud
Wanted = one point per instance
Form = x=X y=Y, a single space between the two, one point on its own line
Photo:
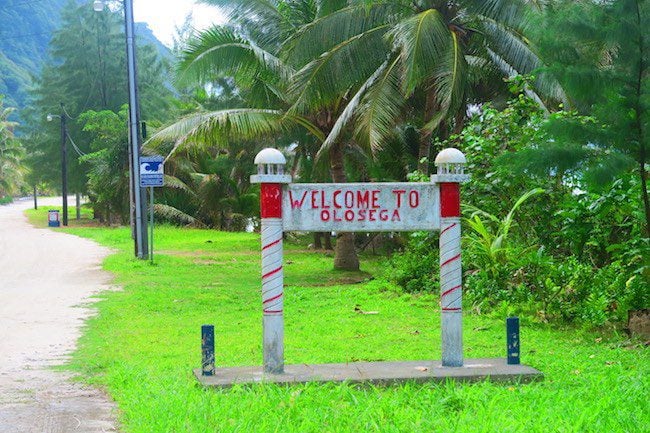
x=163 y=15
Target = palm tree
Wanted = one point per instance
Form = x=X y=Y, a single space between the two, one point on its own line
x=405 y=60
x=247 y=51
x=328 y=65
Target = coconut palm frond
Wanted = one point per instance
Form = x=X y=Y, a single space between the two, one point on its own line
x=237 y=8
x=421 y=41
x=508 y=12
x=349 y=112
x=220 y=52
x=328 y=7
x=381 y=106
x=216 y=128
x=510 y=71
x=450 y=82
x=170 y=213
x=331 y=30
x=325 y=78
x=519 y=54
x=176 y=183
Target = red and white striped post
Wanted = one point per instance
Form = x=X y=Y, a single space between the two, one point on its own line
x=270 y=174
x=450 y=174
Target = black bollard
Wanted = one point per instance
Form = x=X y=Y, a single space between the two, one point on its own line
x=207 y=350
x=512 y=338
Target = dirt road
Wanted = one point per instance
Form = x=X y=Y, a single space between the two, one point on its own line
x=46 y=281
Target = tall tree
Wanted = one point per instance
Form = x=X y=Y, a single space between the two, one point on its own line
x=88 y=72
x=600 y=52
x=247 y=50
x=420 y=61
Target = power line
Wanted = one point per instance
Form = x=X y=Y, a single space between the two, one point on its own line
x=76 y=149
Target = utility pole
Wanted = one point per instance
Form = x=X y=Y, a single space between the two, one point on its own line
x=64 y=165
x=141 y=247
x=138 y=194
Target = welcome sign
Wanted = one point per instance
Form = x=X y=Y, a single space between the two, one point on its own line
x=368 y=207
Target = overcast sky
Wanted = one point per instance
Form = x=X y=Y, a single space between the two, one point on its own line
x=163 y=15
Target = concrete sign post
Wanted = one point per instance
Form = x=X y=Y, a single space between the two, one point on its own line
x=270 y=175
x=449 y=164
x=362 y=207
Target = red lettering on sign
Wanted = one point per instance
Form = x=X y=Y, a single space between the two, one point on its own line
x=349 y=199
x=414 y=199
x=398 y=196
x=362 y=214
x=349 y=215
x=295 y=204
x=314 y=199
x=337 y=218
x=375 y=199
x=363 y=199
x=395 y=216
x=371 y=215
x=322 y=201
x=383 y=215
x=336 y=194
x=325 y=215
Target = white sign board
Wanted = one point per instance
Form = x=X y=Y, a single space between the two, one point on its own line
x=152 y=172
x=368 y=207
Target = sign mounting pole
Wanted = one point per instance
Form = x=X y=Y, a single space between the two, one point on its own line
x=152 y=174
x=151 y=222
x=449 y=175
x=270 y=163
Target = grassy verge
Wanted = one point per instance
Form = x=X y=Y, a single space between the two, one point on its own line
x=146 y=339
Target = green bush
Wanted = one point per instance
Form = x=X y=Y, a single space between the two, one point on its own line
x=560 y=290
x=416 y=268
x=6 y=200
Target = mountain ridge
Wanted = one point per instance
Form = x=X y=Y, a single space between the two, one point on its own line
x=26 y=28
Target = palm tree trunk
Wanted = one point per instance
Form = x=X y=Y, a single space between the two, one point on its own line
x=424 y=148
x=423 y=153
x=639 y=126
x=644 y=189
x=328 y=241
x=345 y=255
x=318 y=244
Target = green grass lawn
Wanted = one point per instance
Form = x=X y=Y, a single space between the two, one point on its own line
x=145 y=341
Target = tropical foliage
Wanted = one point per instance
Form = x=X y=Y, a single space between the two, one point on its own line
x=86 y=83
x=540 y=96
x=12 y=168
x=328 y=66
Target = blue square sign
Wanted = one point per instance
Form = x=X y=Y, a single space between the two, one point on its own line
x=152 y=171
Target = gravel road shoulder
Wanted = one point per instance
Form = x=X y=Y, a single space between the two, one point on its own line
x=47 y=280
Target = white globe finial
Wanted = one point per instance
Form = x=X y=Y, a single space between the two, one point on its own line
x=450 y=156
x=270 y=156
x=450 y=161
x=270 y=167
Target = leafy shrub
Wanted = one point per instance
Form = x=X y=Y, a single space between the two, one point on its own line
x=416 y=268
x=564 y=289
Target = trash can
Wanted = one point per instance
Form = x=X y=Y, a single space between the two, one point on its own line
x=53 y=218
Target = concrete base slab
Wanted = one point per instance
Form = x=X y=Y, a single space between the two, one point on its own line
x=494 y=369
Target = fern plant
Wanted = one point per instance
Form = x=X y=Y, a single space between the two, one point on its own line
x=489 y=237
